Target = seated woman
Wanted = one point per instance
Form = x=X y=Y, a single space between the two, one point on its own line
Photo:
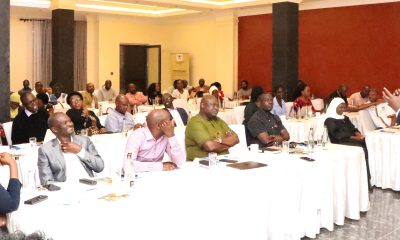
x=180 y=92
x=304 y=99
x=342 y=131
x=81 y=116
x=154 y=93
x=9 y=198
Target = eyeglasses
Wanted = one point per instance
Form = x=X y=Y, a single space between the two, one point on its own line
x=76 y=100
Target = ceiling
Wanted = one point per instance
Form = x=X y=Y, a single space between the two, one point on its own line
x=147 y=8
x=166 y=8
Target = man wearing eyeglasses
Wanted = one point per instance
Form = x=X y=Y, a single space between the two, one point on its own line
x=30 y=122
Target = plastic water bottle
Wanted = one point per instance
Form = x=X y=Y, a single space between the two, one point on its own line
x=311 y=141
x=129 y=172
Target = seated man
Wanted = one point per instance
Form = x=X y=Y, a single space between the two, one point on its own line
x=25 y=88
x=207 y=133
x=381 y=114
x=135 y=98
x=106 y=93
x=265 y=127
x=9 y=198
x=340 y=92
x=201 y=89
x=147 y=145
x=244 y=92
x=89 y=99
x=68 y=157
x=179 y=115
x=360 y=97
x=119 y=119
x=31 y=122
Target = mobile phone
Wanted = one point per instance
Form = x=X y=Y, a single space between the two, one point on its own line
x=204 y=162
x=52 y=187
x=87 y=181
x=307 y=159
x=228 y=161
x=36 y=199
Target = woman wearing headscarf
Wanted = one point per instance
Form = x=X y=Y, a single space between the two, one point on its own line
x=342 y=131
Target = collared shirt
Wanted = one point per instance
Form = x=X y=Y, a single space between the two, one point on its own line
x=264 y=121
x=148 y=152
x=176 y=117
x=106 y=95
x=241 y=92
x=74 y=169
x=28 y=113
x=277 y=109
x=199 y=131
x=356 y=99
x=117 y=122
x=136 y=99
x=89 y=100
x=176 y=94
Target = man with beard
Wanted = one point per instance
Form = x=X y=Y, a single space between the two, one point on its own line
x=265 y=127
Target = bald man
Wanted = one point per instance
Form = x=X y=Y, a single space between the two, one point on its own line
x=207 y=133
x=147 y=145
x=67 y=157
x=119 y=119
x=89 y=99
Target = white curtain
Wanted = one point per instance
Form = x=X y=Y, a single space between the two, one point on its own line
x=41 y=51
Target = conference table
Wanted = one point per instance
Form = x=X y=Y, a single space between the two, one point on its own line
x=384 y=157
x=288 y=199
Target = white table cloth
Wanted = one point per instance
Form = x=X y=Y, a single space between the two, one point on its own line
x=288 y=199
x=148 y=108
x=228 y=115
x=299 y=128
x=384 y=158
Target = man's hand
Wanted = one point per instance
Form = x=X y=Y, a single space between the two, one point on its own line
x=6 y=159
x=358 y=138
x=137 y=125
x=70 y=147
x=167 y=127
x=393 y=100
x=169 y=166
x=85 y=112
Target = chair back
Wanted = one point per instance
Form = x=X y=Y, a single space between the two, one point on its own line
x=182 y=103
x=367 y=124
x=7 y=130
x=239 y=129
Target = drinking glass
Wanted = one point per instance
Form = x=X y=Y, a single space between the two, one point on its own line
x=32 y=142
x=212 y=159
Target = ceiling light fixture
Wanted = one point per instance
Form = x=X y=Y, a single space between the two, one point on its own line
x=31 y=3
x=129 y=10
x=211 y=2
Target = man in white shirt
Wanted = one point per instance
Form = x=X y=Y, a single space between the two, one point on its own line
x=68 y=157
x=381 y=114
x=179 y=115
x=119 y=119
x=106 y=93
x=361 y=97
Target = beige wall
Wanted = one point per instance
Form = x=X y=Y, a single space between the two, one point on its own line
x=210 y=40
x=20 y=53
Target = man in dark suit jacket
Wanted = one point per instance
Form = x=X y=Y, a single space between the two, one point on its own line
x=393 y=100
x=175 y=113
x=67 y=150
x=30 y=122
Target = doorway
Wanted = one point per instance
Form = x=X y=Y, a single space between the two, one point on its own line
x=139 y=64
